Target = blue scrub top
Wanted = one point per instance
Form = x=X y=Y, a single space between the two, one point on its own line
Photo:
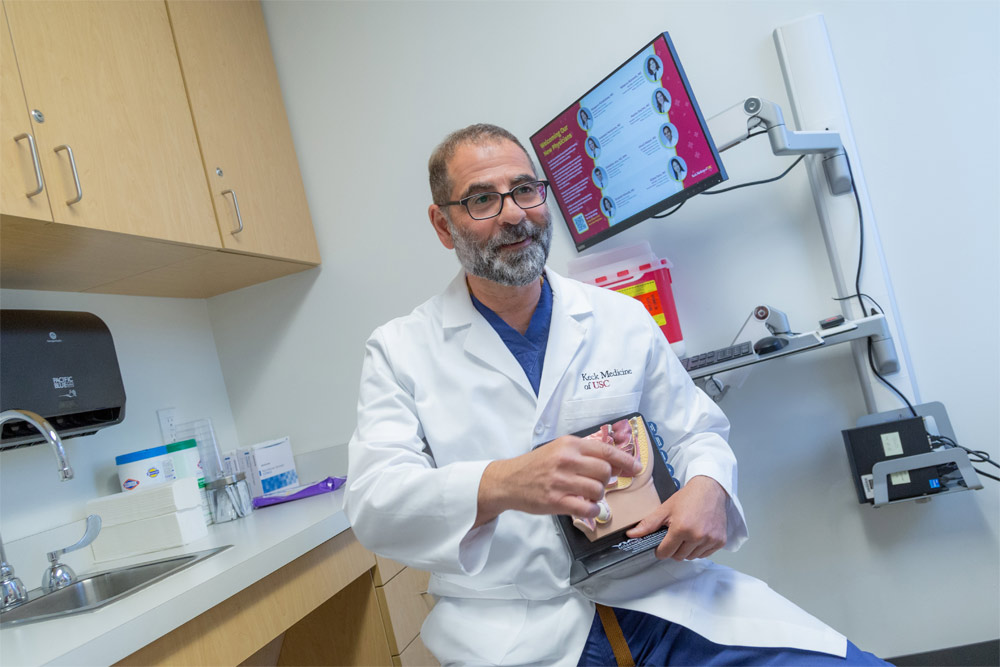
x=529 y=349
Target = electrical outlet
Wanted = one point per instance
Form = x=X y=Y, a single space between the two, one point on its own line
x=168 y=421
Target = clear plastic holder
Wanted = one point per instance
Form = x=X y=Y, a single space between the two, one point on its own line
x=230 y=498
x=208 y=447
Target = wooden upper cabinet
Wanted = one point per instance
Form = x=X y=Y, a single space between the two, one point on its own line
x=243 y=130
x=106 y=78
x=18 y=174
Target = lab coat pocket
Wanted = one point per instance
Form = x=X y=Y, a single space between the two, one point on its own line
x=594 y=410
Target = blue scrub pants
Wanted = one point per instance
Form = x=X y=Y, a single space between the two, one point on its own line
x=654 y=641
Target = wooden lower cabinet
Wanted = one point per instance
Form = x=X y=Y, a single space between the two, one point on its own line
x=335 y=605
x=415 y=655
x=345 y=630
x=404 y=603
x=320 y=609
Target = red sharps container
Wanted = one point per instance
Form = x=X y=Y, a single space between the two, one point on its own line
x=636 y=272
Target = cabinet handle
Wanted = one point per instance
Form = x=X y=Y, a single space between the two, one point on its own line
x=236 y=204
x=34 y=159
x=76 y=176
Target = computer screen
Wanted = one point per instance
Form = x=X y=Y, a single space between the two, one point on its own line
x=634 y=145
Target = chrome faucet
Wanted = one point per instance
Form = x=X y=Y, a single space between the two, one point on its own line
x=11 y=587
x=59 y=575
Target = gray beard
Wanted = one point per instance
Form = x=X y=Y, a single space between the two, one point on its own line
x=484 y=259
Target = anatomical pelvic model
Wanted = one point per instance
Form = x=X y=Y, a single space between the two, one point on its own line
x=626 y=499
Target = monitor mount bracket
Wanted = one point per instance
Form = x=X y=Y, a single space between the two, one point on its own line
x=734 y=125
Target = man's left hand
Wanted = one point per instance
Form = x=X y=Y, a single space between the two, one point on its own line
x=695 y=517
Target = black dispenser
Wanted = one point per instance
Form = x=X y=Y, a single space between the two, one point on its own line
x=62 y=365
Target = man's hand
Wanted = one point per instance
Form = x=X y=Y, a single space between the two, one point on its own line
x=695 y=517
x=565 y=476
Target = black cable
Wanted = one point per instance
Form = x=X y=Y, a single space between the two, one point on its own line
x=861 y=235
x=975 y=455
x=857 y=287
x=871 y=362
x=986 y=474
x=881 y=310
x=670 y=212
x=735 y=187
x=982 y=457
x=746 y=185
x=752 y=134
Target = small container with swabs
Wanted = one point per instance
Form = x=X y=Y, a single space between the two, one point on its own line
x=229 y=498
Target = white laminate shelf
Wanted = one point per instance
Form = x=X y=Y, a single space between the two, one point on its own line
x=265 y=541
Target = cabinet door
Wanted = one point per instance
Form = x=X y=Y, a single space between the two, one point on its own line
x=18 y=174
x=245 y=139
x=106 y=77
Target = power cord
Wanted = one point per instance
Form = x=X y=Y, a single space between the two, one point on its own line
x=851 y=296
x=861 y=235
x=941 y=440
x=975 y=455
x=671 y=211
x=766 y=180
x=859 y=294
x=735 y=187
x=871 y=363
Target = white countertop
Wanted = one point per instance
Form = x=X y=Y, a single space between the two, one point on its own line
x=263 y=542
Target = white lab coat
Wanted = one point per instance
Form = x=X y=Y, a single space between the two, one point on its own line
x=441 y=396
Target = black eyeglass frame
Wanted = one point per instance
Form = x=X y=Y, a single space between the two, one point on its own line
x=464 y=201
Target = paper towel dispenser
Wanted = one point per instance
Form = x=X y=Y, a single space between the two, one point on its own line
x=62 y=365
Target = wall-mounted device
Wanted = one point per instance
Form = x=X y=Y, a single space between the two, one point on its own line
x=735 y=124
x=895 y=457
x=869 y=445
x=634 y=145
x=873 y=327
x=776 y=322
x=63 y=366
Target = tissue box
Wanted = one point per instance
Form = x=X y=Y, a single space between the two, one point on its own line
x=269 y=466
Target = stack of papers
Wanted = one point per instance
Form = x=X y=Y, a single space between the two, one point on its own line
x=181 y=494
x=139 y=522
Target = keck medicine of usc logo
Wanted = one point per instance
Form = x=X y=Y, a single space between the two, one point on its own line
x=602 y=379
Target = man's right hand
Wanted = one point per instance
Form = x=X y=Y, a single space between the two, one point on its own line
x=565 y=476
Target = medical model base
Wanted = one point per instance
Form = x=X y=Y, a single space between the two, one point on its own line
x=600 y=545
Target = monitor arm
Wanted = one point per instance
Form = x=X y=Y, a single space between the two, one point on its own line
x=733 y=126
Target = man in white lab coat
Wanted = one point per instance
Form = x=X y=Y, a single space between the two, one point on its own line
x=447 y=475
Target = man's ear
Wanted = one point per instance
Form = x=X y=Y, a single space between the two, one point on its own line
x=440 y=224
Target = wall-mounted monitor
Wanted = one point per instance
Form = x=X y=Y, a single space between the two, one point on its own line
x=634 y=145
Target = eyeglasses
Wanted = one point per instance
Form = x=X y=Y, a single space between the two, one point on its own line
x=484 y=205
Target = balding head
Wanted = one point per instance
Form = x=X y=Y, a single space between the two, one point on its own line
x=437 y=166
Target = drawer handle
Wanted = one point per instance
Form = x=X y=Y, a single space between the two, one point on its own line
x=34 y=159
x=76 y=176
x=236 y=204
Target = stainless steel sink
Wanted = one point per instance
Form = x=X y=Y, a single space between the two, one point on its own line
x=94 y=591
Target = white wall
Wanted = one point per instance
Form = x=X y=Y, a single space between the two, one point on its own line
x=167 y=356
